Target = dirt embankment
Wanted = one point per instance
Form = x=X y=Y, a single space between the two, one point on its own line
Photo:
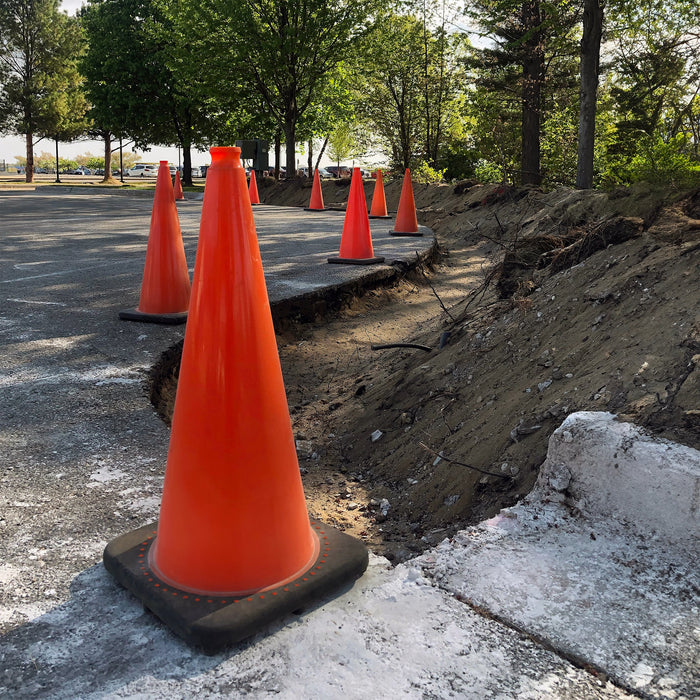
x=540 y=305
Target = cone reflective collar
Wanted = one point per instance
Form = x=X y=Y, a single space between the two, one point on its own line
x=406 y=223
x=234 y=547
x=356 y=240
x=165 y=289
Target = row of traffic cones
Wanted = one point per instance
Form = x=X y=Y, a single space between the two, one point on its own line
x=165 y=289
x=356 y=241
x=406 y=219
x=234 y=548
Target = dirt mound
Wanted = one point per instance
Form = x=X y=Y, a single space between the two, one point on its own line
x=541 y=305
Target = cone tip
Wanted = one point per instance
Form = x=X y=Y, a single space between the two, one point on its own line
x=224 y=152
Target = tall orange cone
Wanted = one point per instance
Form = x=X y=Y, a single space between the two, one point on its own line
x=378 y=209
x=177 y=187
x=356 y=240
x=234 y=547
x=253 y=189
x=406 y=223
x=316 y=201
x=165 y=288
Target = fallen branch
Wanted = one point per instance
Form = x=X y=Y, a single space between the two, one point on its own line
x=462 y=464
x=387 y=346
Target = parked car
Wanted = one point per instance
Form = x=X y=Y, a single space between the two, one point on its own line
x=342 y=171
x=322 y=172
x=196 y=172
x=143 y=170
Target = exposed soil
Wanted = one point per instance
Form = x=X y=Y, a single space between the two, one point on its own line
x=539 y=305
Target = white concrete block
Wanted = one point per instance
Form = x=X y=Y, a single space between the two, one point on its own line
x=607 y=468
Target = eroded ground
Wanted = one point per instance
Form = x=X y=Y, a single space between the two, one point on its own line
x=538 y=305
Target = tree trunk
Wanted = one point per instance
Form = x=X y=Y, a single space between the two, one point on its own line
x=58 y=177
x=187 y=164
x=321 y=152
x=121 y=160
x=290 y=129
x=590 y=62
x=29 y=170
x=108 y=158
x=278 y=154
x=533 y=77
x=310 y=161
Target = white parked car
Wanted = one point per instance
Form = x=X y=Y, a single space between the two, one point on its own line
x=143 y=170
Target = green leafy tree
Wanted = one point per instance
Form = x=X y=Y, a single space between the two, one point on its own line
x=281 y=51
x=494 y=127
x=343 y=143
x=65 y=107
x=38 y=47
x=107 y=65
x=654 y=86
x=390 y=88
x=525 y=36
x=142 y=76
x=333 y=109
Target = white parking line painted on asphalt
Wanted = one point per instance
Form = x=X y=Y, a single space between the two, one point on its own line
x=32 y=301
x=68 y=272
x=22 y=266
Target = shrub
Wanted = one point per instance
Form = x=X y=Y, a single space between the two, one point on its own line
x=426 y=174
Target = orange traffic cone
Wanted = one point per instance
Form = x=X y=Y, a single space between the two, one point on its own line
x=177 y=187
x=406 y=223
x=356 y=240
x=316 y=202
x=234 y=547
x=253 y=189
x=378 y=209
x=165 y=288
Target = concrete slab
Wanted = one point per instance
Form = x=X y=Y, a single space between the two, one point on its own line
x=392 y=634
x=597 y=591
x=610 y=469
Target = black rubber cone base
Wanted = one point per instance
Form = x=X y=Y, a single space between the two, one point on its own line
x=356 y=261
x=310 y=209
x=380 y=216
x=415 y=234
x=215 y=622
x=165 y=319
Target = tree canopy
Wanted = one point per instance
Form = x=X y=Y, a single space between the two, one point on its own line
x=39 y=47
x=545 y=92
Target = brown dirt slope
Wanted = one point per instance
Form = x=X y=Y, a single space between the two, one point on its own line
x=541 y=304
